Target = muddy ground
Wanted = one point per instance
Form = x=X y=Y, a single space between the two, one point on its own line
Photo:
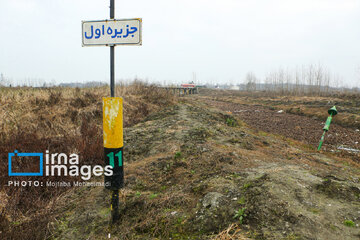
x=194 y=171
x=302 y=128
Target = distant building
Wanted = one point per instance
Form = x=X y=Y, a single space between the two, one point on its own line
x=234 y=88
x=186 y=85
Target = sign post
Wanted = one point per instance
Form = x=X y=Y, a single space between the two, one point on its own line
x=110 y=33
x=115 y=191
x=113 y=149
x=112 y=57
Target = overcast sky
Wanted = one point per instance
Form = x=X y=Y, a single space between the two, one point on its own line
x=220 y=40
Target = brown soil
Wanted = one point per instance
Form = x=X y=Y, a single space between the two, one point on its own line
x=301 y=128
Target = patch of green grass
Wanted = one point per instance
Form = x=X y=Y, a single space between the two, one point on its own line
x=293 y=236
x=105 y=212
x=166 y=210
x=357 y=195
x=179 y=220
x=241 y=200
x=263 y=134
x=153 y=196
x=240 y=214
x=346 y=164
x=231 y=122
x=140 y=185
x=246 y=186
x=314 y=210
x=137 y=194
x=349 y=223
x=333 y=227
x=177 y=155
x=235 y=175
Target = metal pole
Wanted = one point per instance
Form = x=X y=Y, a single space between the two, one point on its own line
x=112 y=72
x=112 y=57
x=115 y=193
x=115 y=206
x=321 y=140
x=112 y=7
x=326 y=128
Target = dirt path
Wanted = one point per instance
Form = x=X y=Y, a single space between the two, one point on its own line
x=298 y=127
x=191 y=172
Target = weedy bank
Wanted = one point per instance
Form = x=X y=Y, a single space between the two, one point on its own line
x=67 y=120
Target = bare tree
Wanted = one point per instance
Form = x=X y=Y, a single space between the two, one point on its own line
x=250 y=82
x=3 y=81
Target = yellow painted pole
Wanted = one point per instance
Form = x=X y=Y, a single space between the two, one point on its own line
x=113 y=149
x=113 y=122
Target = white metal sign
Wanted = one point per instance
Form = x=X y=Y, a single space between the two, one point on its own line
x=112 y=32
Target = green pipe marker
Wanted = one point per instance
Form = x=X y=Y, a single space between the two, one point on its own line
x=332 y=112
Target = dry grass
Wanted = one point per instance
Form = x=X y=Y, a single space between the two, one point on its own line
x=65 y=120
x=233 y=232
